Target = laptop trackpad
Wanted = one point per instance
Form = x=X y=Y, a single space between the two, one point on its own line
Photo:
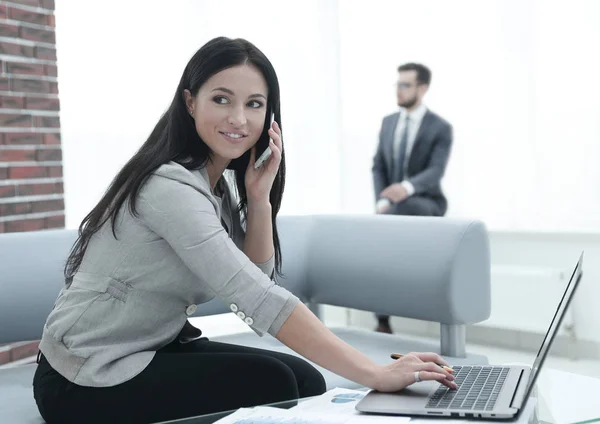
x=410 y=400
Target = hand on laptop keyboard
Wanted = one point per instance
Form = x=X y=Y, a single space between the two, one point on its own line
x=413 y=368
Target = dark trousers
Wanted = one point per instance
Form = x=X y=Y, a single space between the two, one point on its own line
x=414 y=206
x=196 y=378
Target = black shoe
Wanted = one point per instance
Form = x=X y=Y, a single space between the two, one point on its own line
x=384 y=327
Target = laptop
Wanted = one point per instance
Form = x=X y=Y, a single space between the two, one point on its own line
x=484 y=391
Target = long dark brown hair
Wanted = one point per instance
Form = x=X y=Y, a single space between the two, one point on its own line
x=175 y=138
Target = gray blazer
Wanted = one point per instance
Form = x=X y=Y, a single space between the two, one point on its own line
x=132 y=295
x=427 y=161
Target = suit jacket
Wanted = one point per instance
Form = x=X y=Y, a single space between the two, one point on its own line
x=427 y=161
x=133 y=294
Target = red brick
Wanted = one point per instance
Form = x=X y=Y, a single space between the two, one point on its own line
x=12 y=120
x=46 y=122
x=4 y=84
x=9 y=209
x=20 y=68
x=12 y=49
x=55 y=171
x=3 y=12
x=47 y=53
x=30 y=85
x=7 y=30
x=51 y=70
x=1 y=231
x=24 y=350
x=51 y=21
x=24 y=225
x=38 y=189
x=54 y=88
x=3 y=173
x=21 y=172
x=48 y=4
x=53 y=138
x=23 y=138
x=40 y=103
x=17 y=155
x=8 y=191
x=12 y=102
x=47 y=206
x=28 y=16
x=55 y=221
x=48 y=155
x=36 y=34
x=4 y=354
x=34 y=3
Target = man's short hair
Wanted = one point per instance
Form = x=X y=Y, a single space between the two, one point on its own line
x=423 y=72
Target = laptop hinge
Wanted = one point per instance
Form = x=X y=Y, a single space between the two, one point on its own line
x=517 y=398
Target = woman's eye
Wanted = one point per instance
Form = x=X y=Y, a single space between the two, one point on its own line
x=220 y=100
x=254 y=104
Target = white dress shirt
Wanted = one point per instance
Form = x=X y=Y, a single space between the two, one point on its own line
x=414 y=121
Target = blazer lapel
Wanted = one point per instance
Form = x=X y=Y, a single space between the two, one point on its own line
x=389 y=148
x=421 y=140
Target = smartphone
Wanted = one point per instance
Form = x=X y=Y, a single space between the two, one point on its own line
x=267 y=152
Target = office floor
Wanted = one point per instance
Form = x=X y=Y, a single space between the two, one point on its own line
x=217 y=325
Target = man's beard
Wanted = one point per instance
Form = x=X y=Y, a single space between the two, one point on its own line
x=409 y=103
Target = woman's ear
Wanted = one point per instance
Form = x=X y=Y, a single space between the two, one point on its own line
x=189 y=101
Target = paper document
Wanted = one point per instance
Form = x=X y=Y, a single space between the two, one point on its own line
x=337 y=406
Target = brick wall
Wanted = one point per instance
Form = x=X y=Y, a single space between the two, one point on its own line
x=31 y=184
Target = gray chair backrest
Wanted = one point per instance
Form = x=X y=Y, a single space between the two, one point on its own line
x=31 y=275
x=434 y=269
x=351 y=261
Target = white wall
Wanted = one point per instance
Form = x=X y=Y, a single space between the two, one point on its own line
x=518 y=81
x=560 y=251
x=121 y=62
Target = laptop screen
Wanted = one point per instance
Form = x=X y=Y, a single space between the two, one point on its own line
x=555 y=325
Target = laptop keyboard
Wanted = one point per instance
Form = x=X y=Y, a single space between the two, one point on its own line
x=478 y=389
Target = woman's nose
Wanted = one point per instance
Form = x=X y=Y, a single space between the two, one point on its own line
x=237 y=118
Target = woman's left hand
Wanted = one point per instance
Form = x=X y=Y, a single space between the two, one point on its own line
x=259 y=181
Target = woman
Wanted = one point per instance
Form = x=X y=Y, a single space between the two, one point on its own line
x=168 y=235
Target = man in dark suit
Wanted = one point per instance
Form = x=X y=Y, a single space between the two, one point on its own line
x=414 y=146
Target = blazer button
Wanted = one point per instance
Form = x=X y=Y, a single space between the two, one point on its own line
x=233 y=307
x=249 y=321
x=190 y=310
x=241 y=315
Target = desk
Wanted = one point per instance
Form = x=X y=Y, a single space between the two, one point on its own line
x=566 y=398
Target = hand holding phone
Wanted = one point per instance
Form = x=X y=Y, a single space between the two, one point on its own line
x=267 y=153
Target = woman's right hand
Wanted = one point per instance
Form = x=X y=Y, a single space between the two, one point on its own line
x=401 y=373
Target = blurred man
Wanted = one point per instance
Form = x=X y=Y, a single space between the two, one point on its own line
x=414 y=146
